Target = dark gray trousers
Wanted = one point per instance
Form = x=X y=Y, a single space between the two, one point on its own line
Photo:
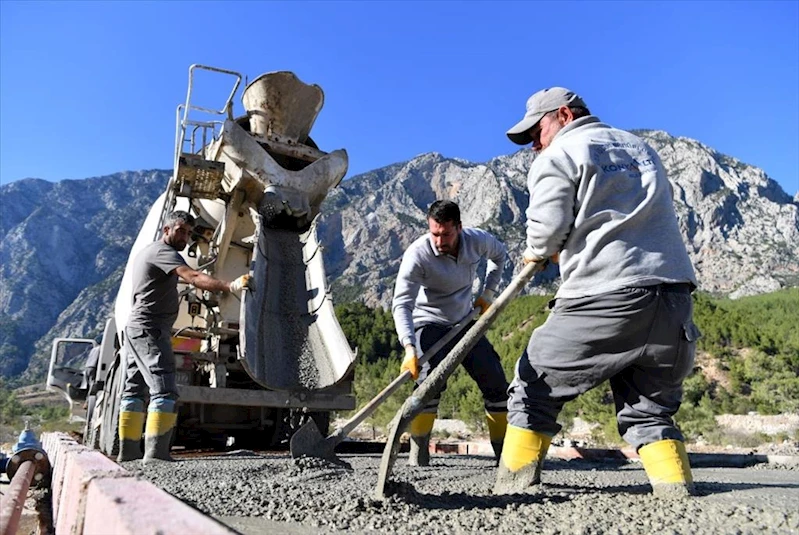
x=150 y=368
x=482 y=364
x=642 y=339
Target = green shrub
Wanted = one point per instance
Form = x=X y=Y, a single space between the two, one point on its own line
x=696 y=420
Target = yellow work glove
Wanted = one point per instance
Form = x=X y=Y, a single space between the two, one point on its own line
x=484 y=301
x=410 y=362
x=239 y=284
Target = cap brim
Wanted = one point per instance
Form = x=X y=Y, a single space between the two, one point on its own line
x=520 y=133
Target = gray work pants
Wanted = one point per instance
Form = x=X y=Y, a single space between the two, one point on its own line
x=482 y=364
x=150 y=367
x=642 y=339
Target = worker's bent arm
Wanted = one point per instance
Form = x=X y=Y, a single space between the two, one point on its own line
x=496 y=253
x=201 y=280
x=550 y=214
x=406 y=288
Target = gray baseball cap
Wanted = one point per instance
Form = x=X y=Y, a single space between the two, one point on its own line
x=538 y=105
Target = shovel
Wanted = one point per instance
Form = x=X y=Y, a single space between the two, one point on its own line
x=438 y=377
x=308 y=441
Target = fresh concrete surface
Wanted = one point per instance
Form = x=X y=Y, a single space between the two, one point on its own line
x=252 y=492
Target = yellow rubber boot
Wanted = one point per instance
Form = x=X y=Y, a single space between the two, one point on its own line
x=158 y=435
x=421 y=427
x=522 y=457
x=497 y=426
x=130 y=430
x=666 y=464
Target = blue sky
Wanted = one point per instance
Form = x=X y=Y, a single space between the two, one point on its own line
x=90 y=88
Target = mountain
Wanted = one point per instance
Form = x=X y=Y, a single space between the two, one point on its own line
x=740 y=228
x=64 y=245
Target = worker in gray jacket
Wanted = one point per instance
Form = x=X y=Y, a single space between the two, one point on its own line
x=432 y=293
x=601 y=200
x=147 y=349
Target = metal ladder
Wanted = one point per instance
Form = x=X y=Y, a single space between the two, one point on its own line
x=193 y=175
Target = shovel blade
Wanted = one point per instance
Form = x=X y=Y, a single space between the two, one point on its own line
x=308 y=441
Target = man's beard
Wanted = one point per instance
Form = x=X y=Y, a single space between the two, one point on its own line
x=174 y=245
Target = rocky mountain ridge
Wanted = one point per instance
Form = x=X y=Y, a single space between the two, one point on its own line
x=740 y=228
x=63 y=245
x=62 y=250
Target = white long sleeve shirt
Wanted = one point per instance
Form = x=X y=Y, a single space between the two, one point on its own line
x=432 y=287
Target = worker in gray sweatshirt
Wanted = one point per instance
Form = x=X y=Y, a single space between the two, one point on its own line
x=601 y=201
x=432 y=293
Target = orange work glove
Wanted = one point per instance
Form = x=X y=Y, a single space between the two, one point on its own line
x=485 y=301
x=410 y=362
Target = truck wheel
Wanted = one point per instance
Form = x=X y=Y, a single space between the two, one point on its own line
x=109 y=429
x=90 y=435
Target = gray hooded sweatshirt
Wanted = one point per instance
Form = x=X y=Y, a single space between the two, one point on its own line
x=600 y=196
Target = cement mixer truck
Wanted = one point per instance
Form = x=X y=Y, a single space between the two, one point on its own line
x=252 y=368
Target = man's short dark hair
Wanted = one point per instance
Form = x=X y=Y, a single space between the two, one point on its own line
x=178 y=216
x=444 y=212
x=579 y=111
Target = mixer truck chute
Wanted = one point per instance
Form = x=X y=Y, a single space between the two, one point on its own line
x=255 y=368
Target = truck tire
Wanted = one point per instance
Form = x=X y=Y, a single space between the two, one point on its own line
x=91 y=437
x=109 y=429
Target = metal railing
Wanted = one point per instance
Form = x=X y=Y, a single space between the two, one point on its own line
x=190 y=131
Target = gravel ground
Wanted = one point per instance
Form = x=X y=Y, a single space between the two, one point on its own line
x=256 y=493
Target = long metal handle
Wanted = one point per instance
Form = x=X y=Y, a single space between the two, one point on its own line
x=394 y=385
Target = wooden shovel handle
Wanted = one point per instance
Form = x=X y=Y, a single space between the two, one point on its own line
x=438 y=377
x=394 y=385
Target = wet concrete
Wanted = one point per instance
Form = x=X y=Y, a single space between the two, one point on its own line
x=255 y=493
x=284 y=348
